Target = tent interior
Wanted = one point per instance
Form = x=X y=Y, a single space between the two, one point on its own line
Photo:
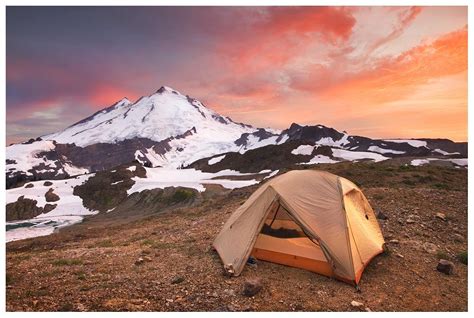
x=283 y=241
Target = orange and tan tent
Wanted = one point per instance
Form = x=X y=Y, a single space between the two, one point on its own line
x=304 y=218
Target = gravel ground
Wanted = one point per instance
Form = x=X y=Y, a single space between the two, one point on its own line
x=165 y=262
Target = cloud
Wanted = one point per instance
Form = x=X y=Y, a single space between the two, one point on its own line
x=267 y=66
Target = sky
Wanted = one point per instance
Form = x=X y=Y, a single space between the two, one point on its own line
x=380 y=72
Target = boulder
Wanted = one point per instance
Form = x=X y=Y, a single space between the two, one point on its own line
x=430 y=248
x=441 y=216
x=356 y=304
x=445 y=267
x=252 y=286
x=47 y=183
x=381 y=216
x=22 y=209
x=29 y=185
x=139 y=261
x=177 y=280
x=51 y=196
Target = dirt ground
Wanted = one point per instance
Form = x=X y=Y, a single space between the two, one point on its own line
x=165 y=262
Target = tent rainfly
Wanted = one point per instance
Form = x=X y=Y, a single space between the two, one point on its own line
x=304 y=218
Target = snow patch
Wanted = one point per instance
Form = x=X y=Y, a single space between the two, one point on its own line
x=459 y=162
x=445 y=152
x=26 y=156
x=382 y=150
x=420 y=162
x=303 y=150
x=69 y=209
x=74 y=171
x=215 y=160
x=319 y=159
x=189 y=178
x=357 y=155
x=412 y=142
x=274 y=173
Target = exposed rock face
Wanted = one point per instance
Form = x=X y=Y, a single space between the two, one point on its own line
x=255 y=160
x=51 y=196
x=310 y=133
x=107 y=189
x=445 y=267
x=260 y=134
x=24 y=209
x=252 y=286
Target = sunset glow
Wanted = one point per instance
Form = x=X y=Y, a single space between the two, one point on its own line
x=381 y=72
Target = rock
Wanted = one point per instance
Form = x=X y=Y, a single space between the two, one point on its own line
x=441 y=216
x=430 y=248
x=458 y=238
x=147 y=258
x=381 y=216
x=410 y=221
x=177 y=280
x=252 y=286
x=229 y=292
x=394 y=241
x=356 y=304
x=47 y=183
x=29 y=185
x=399 y=255
x=139 y=261
x=252 y=262
x=51 y=196
x=445 y=266
x=23 y=209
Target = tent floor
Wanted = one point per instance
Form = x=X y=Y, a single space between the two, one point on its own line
x=295 y=252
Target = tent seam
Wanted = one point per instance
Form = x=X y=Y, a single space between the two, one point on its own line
x=348 y=242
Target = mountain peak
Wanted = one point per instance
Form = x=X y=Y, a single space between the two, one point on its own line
x=123 y=102
x=167 y=89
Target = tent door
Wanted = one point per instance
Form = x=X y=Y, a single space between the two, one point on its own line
x=283 y=241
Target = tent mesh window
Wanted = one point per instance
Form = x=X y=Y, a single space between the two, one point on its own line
x=280 y=224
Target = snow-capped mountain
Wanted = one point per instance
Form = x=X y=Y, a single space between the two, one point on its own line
x=164 y=114
x=170 y=129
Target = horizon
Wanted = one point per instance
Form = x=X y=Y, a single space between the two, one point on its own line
x=378 y=72
x=134 y=101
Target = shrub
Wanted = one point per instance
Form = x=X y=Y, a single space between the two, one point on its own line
x=442 y=255
x=462 y=257
x=105 y=243
x=182 y=195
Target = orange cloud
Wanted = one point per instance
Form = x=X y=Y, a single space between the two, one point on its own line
x=396 y=77
x=281 y=32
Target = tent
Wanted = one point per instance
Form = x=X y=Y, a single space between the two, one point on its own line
x=304 y=218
